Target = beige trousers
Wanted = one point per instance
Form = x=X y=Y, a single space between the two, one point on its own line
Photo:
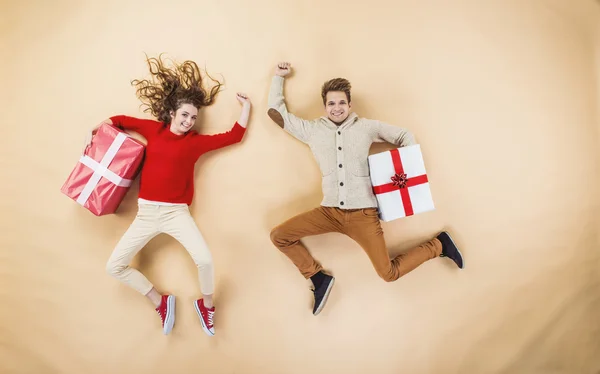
x=150 y=221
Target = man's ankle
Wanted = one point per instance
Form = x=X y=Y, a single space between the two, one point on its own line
x=317 y=279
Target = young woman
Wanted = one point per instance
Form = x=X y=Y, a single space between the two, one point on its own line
x=174 y=96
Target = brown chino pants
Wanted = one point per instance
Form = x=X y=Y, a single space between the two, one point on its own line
x=363 y=226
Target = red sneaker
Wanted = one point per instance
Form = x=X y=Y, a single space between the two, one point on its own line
x=206 y=316
x=166 y=311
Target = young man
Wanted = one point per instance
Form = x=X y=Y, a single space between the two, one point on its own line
x=340 y=142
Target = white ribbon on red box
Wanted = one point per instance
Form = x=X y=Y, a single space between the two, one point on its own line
x=101 y=170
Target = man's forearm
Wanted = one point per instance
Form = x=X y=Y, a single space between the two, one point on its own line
x=276 y=101
x=276 y=98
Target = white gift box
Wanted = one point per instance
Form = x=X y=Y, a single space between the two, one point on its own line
x=400 y=183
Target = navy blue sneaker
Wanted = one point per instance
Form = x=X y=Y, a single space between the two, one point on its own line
x=450 y=250
x=321 y=293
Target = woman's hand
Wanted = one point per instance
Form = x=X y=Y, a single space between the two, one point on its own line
x=243 y=99
x=246 y=104
x=90 y=134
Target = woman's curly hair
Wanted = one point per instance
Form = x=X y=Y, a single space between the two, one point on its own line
x=169 y=88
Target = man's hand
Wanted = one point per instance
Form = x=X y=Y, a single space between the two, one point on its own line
x=283 y=69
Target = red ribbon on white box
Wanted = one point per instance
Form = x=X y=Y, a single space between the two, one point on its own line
x=400 y=182
x=101 y=170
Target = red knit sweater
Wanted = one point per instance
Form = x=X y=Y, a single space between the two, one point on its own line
x=168 y=171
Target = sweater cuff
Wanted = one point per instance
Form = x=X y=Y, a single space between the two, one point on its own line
x=117 y=121
x=237 y=127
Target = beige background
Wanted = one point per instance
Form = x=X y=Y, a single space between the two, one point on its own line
x=502 y=95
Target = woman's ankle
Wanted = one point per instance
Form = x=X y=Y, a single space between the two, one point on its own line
x=155 y=297
x=208 y=301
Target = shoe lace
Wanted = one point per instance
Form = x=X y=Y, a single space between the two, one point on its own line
x=160 y=315
x=210 y=317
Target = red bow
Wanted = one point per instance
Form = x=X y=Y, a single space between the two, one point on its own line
x=399 y=180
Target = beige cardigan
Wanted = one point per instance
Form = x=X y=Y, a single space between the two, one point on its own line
x=341 y=151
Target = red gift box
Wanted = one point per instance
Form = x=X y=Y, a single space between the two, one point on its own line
x=105 y=172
